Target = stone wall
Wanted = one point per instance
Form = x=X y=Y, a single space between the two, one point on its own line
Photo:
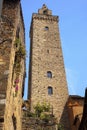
x=75 y=110
x=12 y=27
x=35 y=124
x=46 y=56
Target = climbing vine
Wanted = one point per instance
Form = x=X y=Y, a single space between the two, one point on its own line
x=20 y=54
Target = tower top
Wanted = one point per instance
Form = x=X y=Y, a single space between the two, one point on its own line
x=44 y=10
x=44 y=6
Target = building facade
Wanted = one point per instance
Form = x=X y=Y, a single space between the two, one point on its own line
x=47 y=78
x=12 y=64
x=75 y=110
x=83 y=124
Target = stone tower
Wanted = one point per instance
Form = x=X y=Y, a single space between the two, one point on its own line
x=47 y=79
x=12 y=64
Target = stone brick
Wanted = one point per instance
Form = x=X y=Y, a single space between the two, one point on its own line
x=11 y=19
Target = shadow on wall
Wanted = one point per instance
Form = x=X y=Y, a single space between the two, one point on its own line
x=64 y=121
x=72 y=113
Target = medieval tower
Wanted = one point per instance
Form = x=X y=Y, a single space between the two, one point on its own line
x=47 y=79
x=12 y=64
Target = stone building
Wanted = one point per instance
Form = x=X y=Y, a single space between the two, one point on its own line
x=83 y=124
x=75 y=110
x=12 y=64
x=47 y=79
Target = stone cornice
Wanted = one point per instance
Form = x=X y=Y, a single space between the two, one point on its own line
x=45 y=17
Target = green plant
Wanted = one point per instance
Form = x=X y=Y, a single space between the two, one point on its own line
x=60 y=127
x=30 y=114
x=46 y=107
x=39 y=108
x=17 y=42
x=17 y=63
x=21 y=51
x=45 y=117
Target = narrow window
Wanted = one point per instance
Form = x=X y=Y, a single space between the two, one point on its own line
x=50 y=90
x=46 y=28
x=47 y=51
x=1 y=2
x=14 y=121
x=49 y=74
x=17 y=32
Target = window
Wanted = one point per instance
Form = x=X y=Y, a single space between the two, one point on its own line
x=50 y=90
x=1 y=2
x=1 y=120
x=14 y=121
x=45 y=12
x=47 y=51
x=17 y=32
x=46 y=28
x=49 y=74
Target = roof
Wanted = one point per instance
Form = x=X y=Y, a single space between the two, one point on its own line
x=76 y=97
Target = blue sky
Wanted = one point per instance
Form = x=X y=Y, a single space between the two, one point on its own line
x=73 y=33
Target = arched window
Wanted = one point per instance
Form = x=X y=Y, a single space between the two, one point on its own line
x=50 y=90
x=45 y=11
x=49 y=74
x=46 y=28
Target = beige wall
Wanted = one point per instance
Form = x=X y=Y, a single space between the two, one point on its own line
x=75 y=108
